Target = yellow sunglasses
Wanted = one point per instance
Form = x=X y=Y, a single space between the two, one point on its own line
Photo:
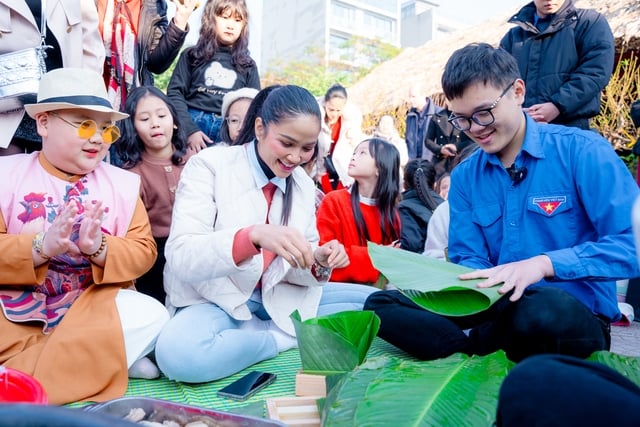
x=88 y=128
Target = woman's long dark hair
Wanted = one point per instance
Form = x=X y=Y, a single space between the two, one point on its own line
x=207 y=44
x=386 y=192
x=420 y=175
x=273 y=105
x=128 y=150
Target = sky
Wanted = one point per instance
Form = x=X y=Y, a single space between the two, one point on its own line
x=475 y=11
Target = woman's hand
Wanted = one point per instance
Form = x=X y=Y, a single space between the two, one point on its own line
x=332 y=254
x=287 y=242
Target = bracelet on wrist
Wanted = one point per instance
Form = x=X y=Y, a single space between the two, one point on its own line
x=103 y=245
x=38 y=241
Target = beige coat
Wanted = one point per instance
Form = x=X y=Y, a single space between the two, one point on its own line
x=84 y=357
x=74 y=23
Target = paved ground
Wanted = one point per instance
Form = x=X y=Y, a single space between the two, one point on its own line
x=626 y=339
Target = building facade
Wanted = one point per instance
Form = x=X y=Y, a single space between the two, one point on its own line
x=294 y=29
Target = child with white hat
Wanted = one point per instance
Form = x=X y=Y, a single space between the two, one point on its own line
x=74 y=235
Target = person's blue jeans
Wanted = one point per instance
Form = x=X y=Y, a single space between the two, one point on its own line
x=203 y=343
x=209 y=123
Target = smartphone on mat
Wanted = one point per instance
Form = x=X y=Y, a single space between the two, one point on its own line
x=247 y=386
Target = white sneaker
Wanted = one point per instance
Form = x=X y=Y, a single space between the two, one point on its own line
x=144 y=368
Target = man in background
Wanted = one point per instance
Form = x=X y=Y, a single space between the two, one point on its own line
x=419 y=115
x=565 y=56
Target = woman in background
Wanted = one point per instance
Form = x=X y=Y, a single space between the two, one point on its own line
x=341 y=132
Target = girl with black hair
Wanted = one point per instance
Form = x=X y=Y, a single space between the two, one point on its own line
x=418 y=203
x=367 y=211
x=217 y=64
x=153 y=146
x=243 y=250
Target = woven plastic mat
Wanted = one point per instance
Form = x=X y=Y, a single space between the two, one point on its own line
x=286 y=365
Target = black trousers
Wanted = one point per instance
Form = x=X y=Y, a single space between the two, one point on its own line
x=152 y=283
x=555 y=390
x=544 y=320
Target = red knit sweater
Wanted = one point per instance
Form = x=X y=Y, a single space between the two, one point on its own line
x=335 y=221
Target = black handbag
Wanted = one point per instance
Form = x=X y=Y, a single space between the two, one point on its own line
x=334 y=178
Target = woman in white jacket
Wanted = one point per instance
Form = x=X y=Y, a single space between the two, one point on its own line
x=240 y=262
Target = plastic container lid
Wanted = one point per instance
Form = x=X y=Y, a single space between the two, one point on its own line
x=16 y=386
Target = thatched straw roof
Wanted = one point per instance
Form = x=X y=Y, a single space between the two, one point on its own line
x=386 y=87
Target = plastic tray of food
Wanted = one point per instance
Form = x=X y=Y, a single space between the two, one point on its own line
x=147 y=410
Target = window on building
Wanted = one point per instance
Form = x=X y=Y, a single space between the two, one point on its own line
x=379 y=26
x=386 y=5
x=342 y=14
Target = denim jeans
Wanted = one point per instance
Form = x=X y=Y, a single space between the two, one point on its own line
x=209 y=123
x=203 y=343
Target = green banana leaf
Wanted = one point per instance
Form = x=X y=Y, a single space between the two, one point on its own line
x=432 y=283
x=336 y=343
x=626 y=365
x=385 y=391
x=456 y=391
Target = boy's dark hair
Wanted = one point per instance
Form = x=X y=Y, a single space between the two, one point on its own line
x=128 y=150
x=478 y=63
x=386 y=192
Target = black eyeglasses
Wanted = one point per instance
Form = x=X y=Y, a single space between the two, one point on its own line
x=88 y=128
x=482 y=117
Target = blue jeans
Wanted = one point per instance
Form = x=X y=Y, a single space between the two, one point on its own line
x=203 y=343
x=209 y=123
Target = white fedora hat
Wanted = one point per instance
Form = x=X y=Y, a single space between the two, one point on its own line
x=68 y=88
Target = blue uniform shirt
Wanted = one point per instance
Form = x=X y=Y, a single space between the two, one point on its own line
x=574 y=206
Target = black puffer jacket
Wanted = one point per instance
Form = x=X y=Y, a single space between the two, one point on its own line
x=159 y=41
x=568 y=64
x=414 y=218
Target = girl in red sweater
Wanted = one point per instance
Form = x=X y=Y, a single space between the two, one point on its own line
x=367 y=211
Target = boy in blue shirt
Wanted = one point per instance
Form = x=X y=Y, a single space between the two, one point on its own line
x=542 y=211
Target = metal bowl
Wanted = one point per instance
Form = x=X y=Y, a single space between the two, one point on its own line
x=160 y=410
